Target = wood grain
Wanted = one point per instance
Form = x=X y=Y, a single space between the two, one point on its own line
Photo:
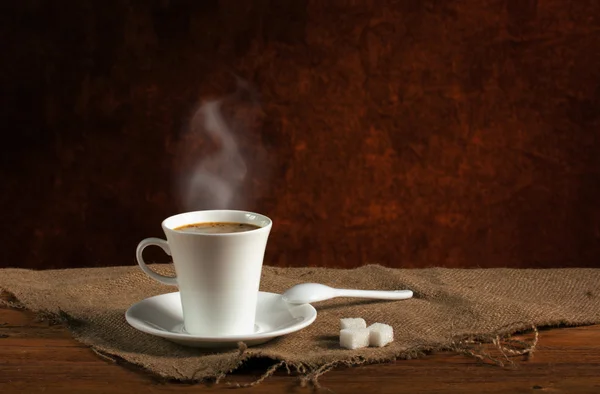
x=38 y=357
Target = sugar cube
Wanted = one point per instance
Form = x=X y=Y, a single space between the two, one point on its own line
x=354 y=338
x=353 y=323
x=380 y=334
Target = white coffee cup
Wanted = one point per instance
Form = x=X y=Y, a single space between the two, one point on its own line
x=218 y=275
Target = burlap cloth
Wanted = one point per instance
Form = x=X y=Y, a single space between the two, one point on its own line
x=449 y=306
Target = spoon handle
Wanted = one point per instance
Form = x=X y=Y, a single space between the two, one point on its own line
x=375 y=294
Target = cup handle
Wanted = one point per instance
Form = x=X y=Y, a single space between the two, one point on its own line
x=168 y=280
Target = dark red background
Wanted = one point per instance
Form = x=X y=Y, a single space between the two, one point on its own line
x=407 y=133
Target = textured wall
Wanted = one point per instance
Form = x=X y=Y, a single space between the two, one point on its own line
x=409 y=133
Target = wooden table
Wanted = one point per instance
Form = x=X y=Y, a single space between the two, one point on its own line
x=37 y=357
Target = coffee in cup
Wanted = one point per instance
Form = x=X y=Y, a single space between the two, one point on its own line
x=217 y=227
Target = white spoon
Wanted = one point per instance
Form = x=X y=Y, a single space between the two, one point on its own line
x=305 y=293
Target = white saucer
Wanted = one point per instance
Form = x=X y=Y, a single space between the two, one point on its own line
x=162 y=316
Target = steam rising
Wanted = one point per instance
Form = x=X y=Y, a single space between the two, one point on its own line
x=214 y=177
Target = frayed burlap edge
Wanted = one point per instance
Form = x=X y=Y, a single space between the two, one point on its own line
x=468 y=345
x=471 y=345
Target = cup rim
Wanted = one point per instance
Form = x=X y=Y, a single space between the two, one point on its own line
x=262 y=217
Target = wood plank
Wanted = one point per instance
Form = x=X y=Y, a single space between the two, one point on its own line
x=37 y=356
